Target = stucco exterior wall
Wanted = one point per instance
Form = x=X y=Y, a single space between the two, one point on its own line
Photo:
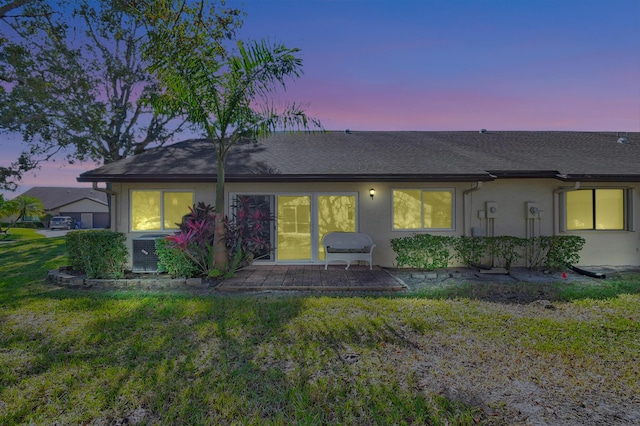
x=121 y=214
x=375 y=215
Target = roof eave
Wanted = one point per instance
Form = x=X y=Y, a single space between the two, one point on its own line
x=116 y=178
x=525 y=174
x=601 y=178
x=470 y=177
x=460 y=177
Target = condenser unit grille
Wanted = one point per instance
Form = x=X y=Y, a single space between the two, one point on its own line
x=145 y=258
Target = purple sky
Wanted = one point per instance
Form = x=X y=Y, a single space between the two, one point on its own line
x=451 y=64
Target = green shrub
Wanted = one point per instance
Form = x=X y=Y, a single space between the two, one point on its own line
x=563 y=251
x=36 y=224
x=99 y=254
x=554 y=252
x=506 y=250
x=471 y=250
x=424 y=251
x=45 y=218
x=175 y=261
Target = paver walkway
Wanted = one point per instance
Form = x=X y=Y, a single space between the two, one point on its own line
x=311 y=277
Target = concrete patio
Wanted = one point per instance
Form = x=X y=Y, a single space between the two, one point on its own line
x=311 y=278
x=335 y=279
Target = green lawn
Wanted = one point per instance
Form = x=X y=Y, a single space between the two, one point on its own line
x=77 y=357
x=20 y=234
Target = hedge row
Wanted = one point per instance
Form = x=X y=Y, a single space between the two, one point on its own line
x=24 y=225
x=99 y=254
x=428 y=252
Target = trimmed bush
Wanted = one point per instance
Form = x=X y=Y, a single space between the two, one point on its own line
x=99 y=254
x=471 y=250
x=562 y=250
x=36 y=224
x=424 y=251
x=175 y=261
x=506 y=250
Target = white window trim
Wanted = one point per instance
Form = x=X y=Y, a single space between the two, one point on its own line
x=628 y=211
x=162 y=191
x=423 y=190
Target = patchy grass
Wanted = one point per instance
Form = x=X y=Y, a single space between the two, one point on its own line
x=20 y=234
x=168 y=358
x=527 y=292
x=605 y=289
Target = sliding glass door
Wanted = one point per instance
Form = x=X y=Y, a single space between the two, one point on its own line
x=336 y=213
x=303 y=220
x=294 y=227
x=300 y=221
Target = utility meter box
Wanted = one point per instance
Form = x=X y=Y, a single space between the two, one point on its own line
x=491 y=208
x=532 y=210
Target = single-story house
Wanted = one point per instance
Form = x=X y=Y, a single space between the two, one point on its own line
x=85 y=205
x=394 y=184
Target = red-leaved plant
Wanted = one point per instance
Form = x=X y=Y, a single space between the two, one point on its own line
x=247 y=234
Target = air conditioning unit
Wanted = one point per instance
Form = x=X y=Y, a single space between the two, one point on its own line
x=145 y=258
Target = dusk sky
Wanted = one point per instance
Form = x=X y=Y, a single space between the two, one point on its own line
x=449 y=65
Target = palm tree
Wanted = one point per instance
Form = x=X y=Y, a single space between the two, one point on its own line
x=226 y=95
x=20 y=207
x=28 y=206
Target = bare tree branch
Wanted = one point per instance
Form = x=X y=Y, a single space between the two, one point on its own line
x=12 y=5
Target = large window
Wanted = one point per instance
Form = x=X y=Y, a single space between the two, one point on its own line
x=156 y=210
x=336 y=213
x=601 y=209
x=422 y=209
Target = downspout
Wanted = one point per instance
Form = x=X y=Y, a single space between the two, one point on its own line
x=110 y=203
x=478 y=187
x=106 y=191
x=556 y=205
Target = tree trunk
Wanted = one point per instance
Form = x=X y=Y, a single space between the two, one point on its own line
x=220 y=255
x=109 y=187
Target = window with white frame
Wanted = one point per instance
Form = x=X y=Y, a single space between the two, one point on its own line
x=423 y=209
x=597 y=209
x=159 y=210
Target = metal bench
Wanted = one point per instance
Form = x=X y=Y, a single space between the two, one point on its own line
x=348 y=247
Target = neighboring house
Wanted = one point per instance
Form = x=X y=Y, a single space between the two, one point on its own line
x=85 y=205
x=445 y=183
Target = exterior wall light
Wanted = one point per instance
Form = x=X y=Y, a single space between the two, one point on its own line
x=372 y=192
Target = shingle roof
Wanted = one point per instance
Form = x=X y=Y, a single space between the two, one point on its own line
x=54 y=197
x=391 y=156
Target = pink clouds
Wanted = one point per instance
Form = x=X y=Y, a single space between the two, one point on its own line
x=520 y=65
x=369 y=107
